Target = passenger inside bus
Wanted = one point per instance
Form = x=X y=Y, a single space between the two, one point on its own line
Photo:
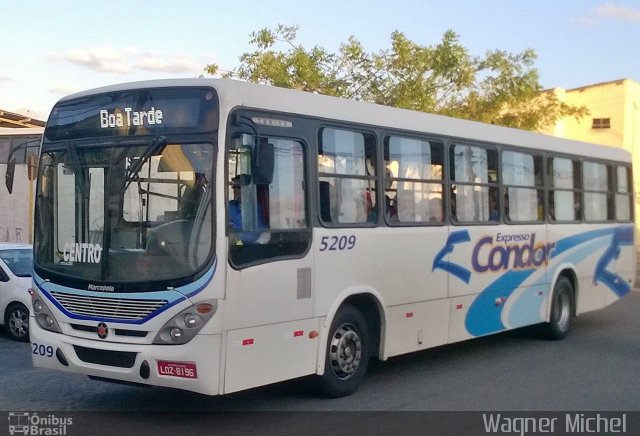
x=235 y=211
x=235 y=217
x=391 y=211
x=494 y=213
x=235 y=207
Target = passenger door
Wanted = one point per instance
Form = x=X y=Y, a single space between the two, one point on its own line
x=269 y=283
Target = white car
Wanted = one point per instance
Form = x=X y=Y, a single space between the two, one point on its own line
x=16 y=266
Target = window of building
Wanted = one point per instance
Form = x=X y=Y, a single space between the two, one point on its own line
x=413 y=180
x=601 y=123
x=474 y=173
x=346 y=170
x=523 y=187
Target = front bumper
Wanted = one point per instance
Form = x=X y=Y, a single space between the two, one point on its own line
x=126 y=362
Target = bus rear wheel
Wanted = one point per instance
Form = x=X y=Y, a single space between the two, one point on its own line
x=561 y=317
x=347 y=355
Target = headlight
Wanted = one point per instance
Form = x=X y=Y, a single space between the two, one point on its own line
x=184 y=326
x=37 y=306
x=191 y=320
x=44 y=317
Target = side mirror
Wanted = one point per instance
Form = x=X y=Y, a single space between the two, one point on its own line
x=263 y=163
x=8 y=178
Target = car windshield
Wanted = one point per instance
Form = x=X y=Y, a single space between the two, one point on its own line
x=125 y=213
x=19 y=261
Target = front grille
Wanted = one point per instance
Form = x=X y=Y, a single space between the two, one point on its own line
x=132 y=333
x=106 y=307
x=120 y=359
x=118 y=332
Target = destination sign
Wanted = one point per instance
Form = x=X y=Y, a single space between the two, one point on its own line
x=130 y=118
x=154 y=111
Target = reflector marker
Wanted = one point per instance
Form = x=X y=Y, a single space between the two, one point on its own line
x=242 y=343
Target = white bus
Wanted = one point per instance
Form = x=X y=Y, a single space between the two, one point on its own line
x=214 y=235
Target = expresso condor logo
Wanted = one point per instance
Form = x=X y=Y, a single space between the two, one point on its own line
x=103 y=330
x=501 y=255
x=493 y=254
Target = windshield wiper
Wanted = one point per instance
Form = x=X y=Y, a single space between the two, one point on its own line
x=134 y=168
x=77 y=168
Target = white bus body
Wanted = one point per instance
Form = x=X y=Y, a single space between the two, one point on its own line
x=337 y=288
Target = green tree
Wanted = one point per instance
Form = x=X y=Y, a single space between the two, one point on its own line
x=498 y=88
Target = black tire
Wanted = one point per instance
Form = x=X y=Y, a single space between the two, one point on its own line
x=16 y=321
x=347 y=354
x=562 y=311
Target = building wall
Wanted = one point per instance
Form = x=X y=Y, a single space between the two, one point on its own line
x=16 y=221
x=16 y=209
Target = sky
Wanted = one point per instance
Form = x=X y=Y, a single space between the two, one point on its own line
x=54 y=48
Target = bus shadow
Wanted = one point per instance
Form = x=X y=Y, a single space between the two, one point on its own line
x=437 y=364
x=299 y=394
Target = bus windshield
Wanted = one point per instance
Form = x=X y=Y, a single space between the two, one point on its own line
x=125 y=212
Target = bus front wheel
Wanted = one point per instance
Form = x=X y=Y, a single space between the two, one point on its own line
x=347 y=355
x=561 y=317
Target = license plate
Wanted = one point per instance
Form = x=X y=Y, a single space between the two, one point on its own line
x=177 y=369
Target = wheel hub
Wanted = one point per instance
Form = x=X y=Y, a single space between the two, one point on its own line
x=345 y=352
x=18 y=323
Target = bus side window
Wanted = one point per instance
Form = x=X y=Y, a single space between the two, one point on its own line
x=413 y=180
x=346 y=172
x=474 y=170
x=267 y=220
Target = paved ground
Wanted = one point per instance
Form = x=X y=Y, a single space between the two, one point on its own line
x=595 y=368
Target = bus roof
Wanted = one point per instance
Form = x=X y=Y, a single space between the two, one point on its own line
x=234 y=93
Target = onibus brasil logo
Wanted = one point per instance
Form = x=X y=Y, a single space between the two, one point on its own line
x=27 y=423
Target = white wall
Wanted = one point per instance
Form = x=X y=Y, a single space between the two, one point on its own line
x=14 y=208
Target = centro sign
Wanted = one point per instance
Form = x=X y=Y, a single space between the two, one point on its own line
x=129 y=118
x=82 y=252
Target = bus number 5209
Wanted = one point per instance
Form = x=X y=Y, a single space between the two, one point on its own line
x=333 y=243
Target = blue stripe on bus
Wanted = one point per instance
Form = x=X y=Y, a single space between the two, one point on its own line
x=154 y=295
x=485 y=315
x=153 y=314
x=439 y=261
x=572 y=241
x=529 y=307
x=173 y=297
x=196 y=287
x=621 y=236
